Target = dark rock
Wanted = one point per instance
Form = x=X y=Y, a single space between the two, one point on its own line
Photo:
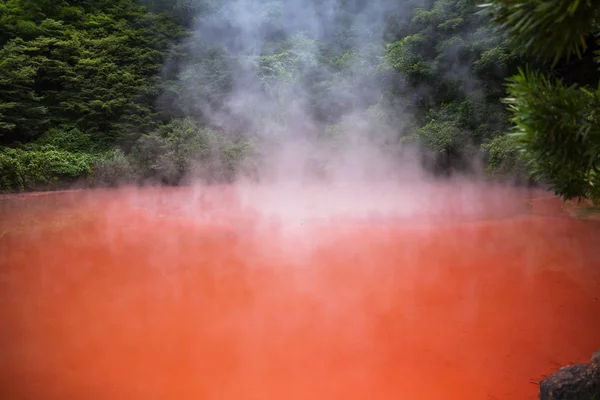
x=573 y=382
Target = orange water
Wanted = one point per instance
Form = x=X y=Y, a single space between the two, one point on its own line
x=104 y=297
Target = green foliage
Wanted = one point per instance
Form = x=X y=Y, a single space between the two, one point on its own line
x=504 y=157
x=183 y=149
x=106 y=85
x=442 y=136
x=404 y=56
x=166 y=154
x=557 y=124
x=558 y=127
x=449 y=66
x=93 y=67
x=550 y=29
x=20 y=105
x=198 y=77
x=67 y=138
x=46 y=166
x=111 y=169
x=290 y=63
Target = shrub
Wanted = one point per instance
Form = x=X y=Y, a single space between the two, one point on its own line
x=182 y=148
x=111 y=169
x=66 y=138
x=45 y=166
x=504 y=158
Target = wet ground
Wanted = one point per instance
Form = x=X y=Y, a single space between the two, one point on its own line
x=228 y=293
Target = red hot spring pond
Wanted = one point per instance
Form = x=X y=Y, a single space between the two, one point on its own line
x=255 y=293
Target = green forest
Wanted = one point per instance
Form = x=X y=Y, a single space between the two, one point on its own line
x=128 y=91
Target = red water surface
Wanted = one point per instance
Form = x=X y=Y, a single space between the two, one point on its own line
x=173 y=294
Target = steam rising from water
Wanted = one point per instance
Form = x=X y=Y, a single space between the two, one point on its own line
x=274 y=61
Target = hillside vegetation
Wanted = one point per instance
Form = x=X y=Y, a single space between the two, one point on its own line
x=115 y=91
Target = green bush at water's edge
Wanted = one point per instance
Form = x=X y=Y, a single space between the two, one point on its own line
x=43 y=167
x=167 y=155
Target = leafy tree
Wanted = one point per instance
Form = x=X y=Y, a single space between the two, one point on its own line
x=183 y=149
x=450 y=66
x=92 y=65
x=556 y=117
x=558 y=128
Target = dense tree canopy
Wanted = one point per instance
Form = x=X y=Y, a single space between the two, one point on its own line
x=134 y=90
x=86 y=65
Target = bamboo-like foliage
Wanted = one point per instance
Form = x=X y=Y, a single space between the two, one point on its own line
x=549 y=29
x=558 y=128
x=557 y=125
